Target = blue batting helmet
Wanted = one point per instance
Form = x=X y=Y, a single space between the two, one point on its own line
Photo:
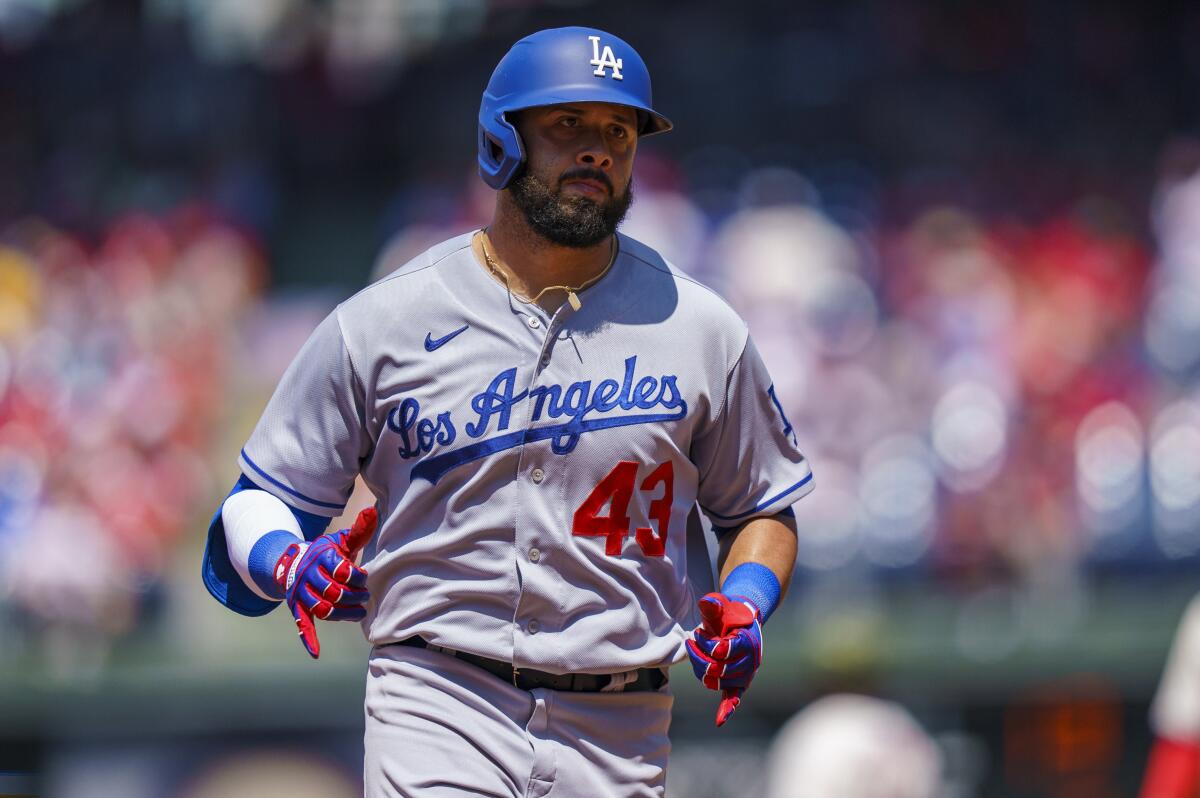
x=560 y=65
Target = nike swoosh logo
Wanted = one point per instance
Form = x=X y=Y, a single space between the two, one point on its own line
x=432 y=343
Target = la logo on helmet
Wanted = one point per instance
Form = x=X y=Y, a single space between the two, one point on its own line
x=605 y=60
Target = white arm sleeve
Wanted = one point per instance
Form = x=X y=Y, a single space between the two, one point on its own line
x=248 y=516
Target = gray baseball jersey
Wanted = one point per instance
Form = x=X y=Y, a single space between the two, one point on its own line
x=533 y=473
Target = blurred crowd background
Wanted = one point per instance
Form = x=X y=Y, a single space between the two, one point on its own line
x=966 y=238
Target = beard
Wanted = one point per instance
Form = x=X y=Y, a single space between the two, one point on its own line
x=575 y=222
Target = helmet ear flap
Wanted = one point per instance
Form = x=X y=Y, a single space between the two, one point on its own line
x=495 y=148
x=501 y=151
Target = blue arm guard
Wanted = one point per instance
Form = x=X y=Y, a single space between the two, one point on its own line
x=755 y=582
x=219 y=575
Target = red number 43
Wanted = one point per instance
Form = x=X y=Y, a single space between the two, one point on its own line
x=617 y=488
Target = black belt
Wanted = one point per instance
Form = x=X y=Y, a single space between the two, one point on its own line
x=639 y=681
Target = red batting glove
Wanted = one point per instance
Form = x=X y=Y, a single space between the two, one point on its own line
x=320 y=579
x=726 y=649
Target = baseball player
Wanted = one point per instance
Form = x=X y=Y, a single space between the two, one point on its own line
x=537 y=406
x=1173 y=770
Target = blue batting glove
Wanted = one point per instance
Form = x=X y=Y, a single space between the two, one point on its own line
x=726 y=649
x=320 y=579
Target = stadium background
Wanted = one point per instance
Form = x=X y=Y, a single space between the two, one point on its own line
x=966 y=239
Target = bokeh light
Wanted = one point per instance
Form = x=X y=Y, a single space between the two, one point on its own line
x=898 y=500
x=1109 y=468
x=1175 y=478
x=969 y=433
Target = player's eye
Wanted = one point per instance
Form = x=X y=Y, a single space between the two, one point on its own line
x=619 y=132
x=569 y=121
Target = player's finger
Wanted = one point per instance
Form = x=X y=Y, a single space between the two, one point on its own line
x=710 y=614
x=719 y=650
x=735 y=615
x=306 y=629
x=329 y=587
x=726 y=649
x=350 y=574
x=346 y=612
x=722 y=615
x=708 y=671
x=317 y=606
x=712 y=676
x=730 y=700
x=737 y=668
x=703 y=641
x=340 y=593
x=734 y=648
x=359 y=534
x=326 y=610
x=701 y=650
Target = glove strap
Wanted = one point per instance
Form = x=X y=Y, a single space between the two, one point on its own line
x=285 y=568
x=263 y=558
x=756 y=584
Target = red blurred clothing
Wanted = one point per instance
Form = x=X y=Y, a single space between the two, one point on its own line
x=1173 y=770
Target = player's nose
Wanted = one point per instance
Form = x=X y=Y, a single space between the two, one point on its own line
x=597 y=159
x=594 y=153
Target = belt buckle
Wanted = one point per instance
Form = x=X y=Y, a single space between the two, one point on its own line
x=515 y=675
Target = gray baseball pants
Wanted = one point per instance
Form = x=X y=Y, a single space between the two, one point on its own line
x=438 y=727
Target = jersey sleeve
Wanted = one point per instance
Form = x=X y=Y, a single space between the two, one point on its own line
x=1175 y=713
x=312 y=439
x=747 y=456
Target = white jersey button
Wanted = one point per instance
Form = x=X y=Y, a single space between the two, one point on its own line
x=533 y=626
x=538 y=475
x=533 y=322
x=546 y=359
x=535 y=555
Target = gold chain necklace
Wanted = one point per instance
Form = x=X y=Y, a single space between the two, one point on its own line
x=572 y=296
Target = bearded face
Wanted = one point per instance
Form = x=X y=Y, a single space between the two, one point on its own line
x=566 y=218
x=577 y=182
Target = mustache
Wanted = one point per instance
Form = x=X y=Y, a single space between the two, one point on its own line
x=586 y=173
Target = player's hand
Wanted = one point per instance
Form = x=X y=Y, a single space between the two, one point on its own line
x=320 y=579
x=726 y=649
